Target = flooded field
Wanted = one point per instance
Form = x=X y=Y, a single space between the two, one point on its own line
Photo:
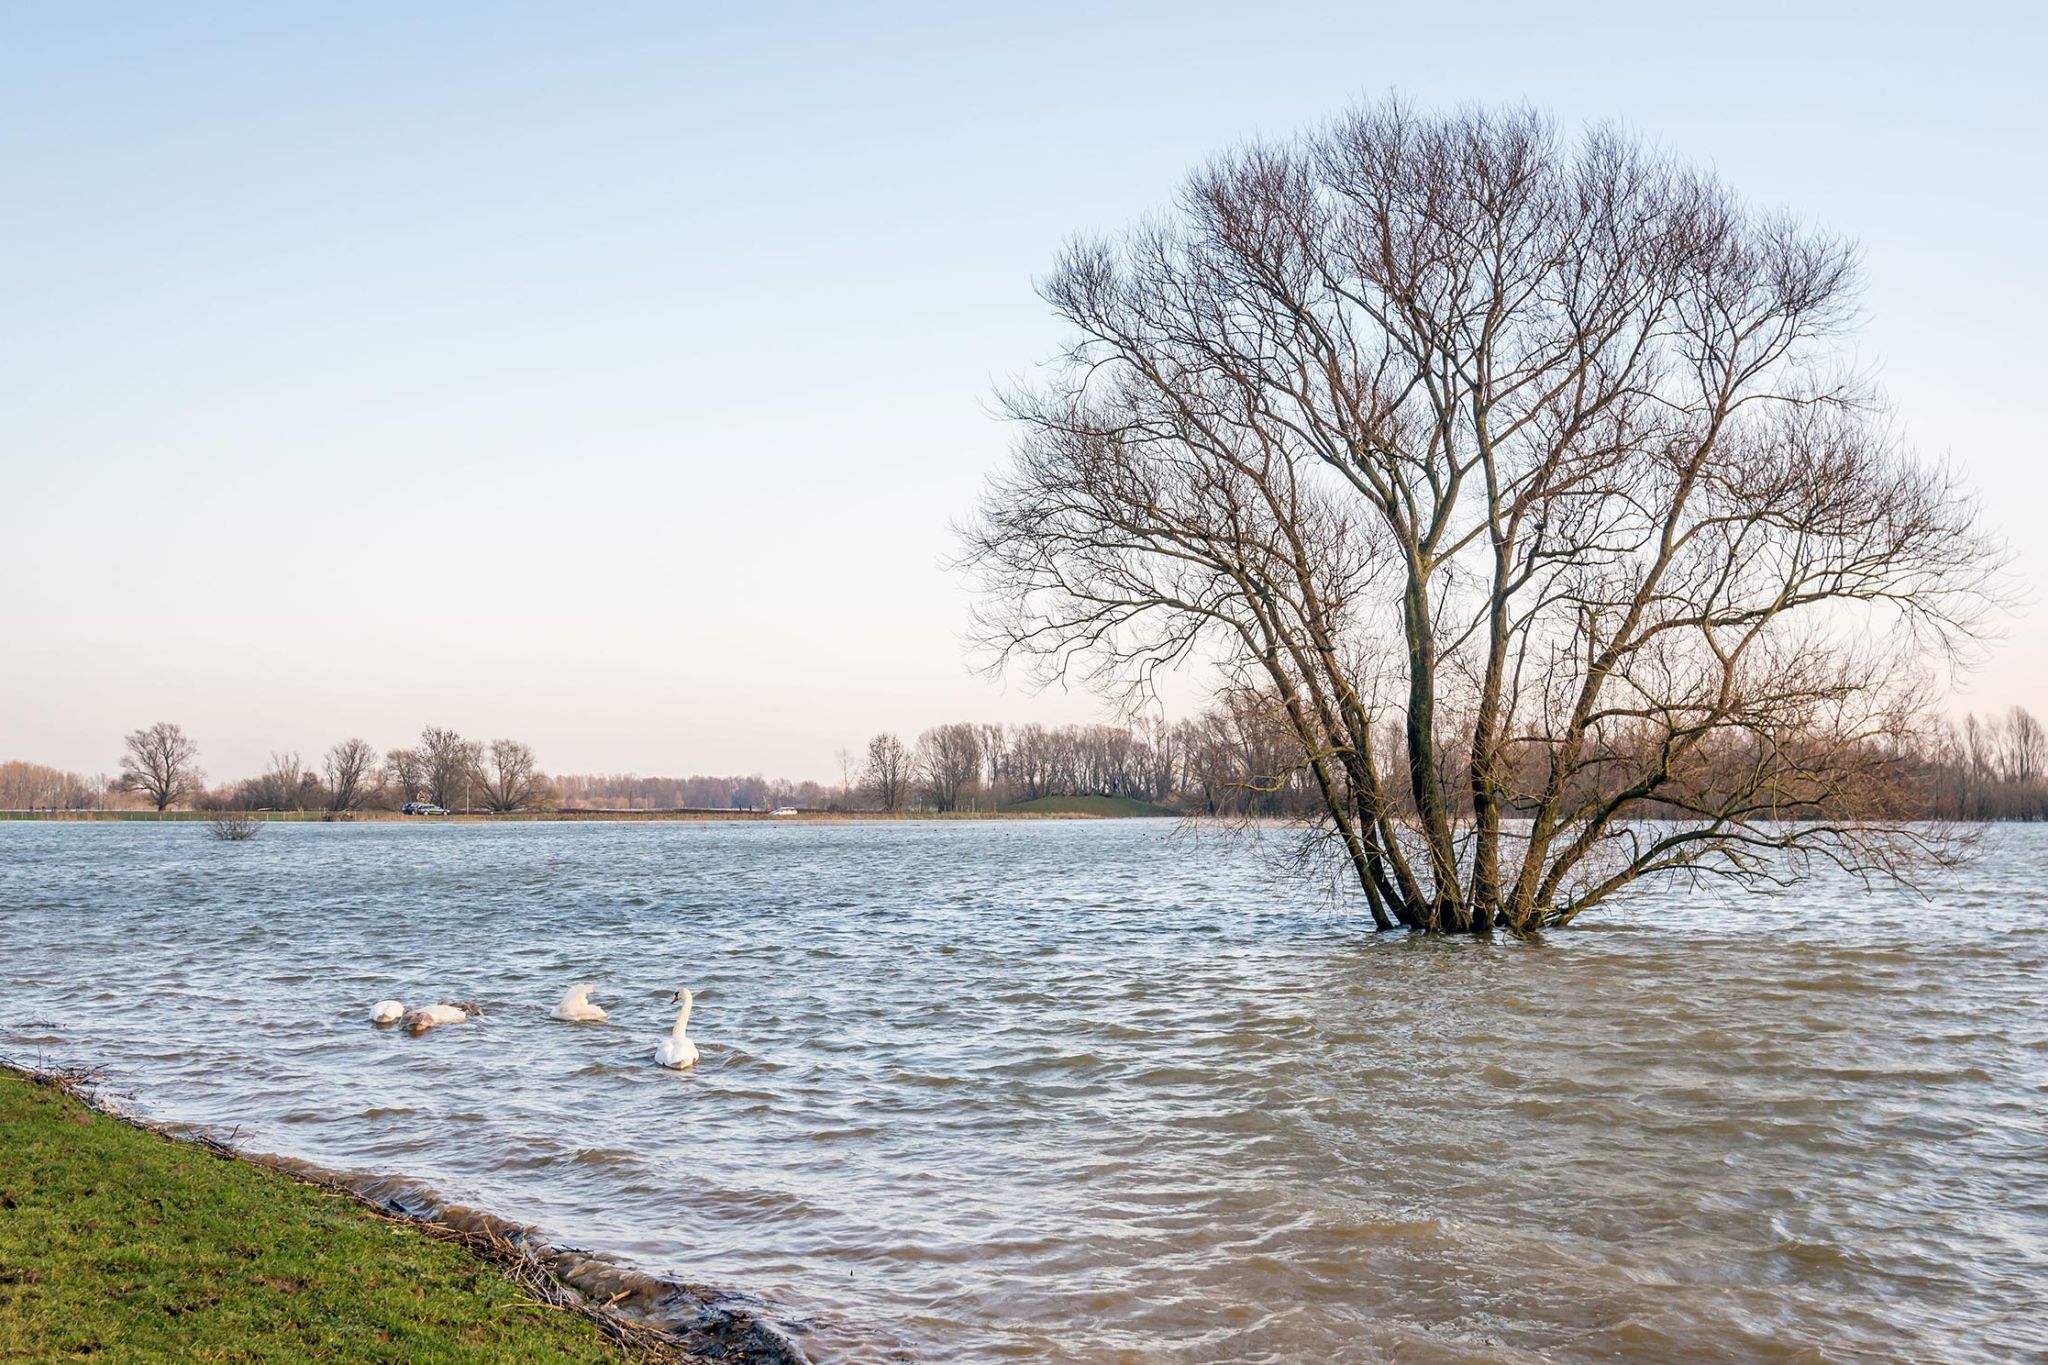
x=1088 y=1092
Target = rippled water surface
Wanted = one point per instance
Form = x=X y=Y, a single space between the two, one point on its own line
x=1083 y=1091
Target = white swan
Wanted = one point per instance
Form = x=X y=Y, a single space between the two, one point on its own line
x=676 y=1050
x=386 y=1012
x=433 y=1016
x=576 y=1006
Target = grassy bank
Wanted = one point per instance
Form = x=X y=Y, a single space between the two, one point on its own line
x=123 y=1244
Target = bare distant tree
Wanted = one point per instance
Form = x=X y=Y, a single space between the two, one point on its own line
x=2023 y=748
x=508 y=779
x=995 y=744
x=887 y=774
x=1995 y=769
x=1517 y=477
x=449 y=766
x=348 y=767
x=407 y=771
x=1161 y=759
x=161 y=765
x=948 y=760
x=282 y=785
x=845 y=757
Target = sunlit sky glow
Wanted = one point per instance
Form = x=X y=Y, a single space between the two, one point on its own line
x=608 y=376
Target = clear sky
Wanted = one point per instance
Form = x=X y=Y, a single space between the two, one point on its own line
x=608 y=375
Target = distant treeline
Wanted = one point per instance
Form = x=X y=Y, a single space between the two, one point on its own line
x=1230 y=761
x=160 y=769
x=1995 y=769
x=32 y=786
x=1233 y=760
x=1237 y=760
x=1198 y=765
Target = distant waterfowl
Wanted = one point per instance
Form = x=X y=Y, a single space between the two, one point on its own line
x=386 y=1012
x=433 y=1016
x=676 y=1050
x=576 y=1006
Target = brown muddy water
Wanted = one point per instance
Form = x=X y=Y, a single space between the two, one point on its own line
x=1084 y=1092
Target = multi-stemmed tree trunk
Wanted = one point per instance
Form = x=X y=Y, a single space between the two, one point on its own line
x=1519 y=479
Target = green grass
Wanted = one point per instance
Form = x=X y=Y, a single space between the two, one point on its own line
x=1087 y=805
x=121 y=1244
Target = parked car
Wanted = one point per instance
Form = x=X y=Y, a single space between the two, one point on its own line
x=421 y=808
x=785 y=810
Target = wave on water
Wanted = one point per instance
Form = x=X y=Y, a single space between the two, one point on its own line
x=1084 y=1092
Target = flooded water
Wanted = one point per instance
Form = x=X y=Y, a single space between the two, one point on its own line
x=1081 y=1091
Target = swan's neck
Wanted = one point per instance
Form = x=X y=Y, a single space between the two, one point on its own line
x=682 y=1020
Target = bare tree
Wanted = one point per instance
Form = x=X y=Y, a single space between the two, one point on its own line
x=407 y=771
x=232 y=826
x=947 y=761
x=1990 y=769
x=887 y=774
x=347 y=766
x=508 y=778
x=1160 y=757
x=2023 y=748
x=282 y=785
x=995 y=747
x=161 y=765
x=1520 y=478
x=448 y=767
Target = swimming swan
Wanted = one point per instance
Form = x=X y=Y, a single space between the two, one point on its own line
x=576 y=1006
x=433 y=1016
x=386 y=1012
x=677 y=1051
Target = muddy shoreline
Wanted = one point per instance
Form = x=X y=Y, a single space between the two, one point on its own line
x=708 y=1322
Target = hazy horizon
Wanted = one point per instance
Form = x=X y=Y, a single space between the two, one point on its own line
x=610 y=380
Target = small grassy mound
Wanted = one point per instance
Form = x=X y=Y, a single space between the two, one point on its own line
x=122 y=1244
x=1107 y=806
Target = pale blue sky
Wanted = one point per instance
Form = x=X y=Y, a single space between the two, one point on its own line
x=607 y=375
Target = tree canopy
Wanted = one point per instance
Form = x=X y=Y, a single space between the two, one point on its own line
x=1524 y=480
